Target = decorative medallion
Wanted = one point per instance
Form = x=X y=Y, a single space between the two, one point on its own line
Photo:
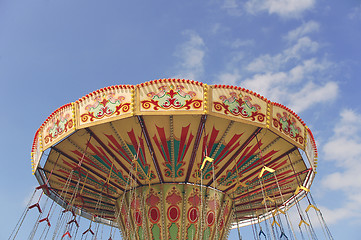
x=210 y=218
x=173 y=213
x=138 y=217
x=154 y=214
x=193 y=214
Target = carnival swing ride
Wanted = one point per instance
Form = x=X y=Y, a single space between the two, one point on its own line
x=173 y=159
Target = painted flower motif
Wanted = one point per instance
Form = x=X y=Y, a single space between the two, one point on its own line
x=239 y=105
x=58 y=126
x=287 y=124
x=171 y=97
x=105 y=106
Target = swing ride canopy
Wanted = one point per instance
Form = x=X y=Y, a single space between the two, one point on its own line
x=174 y=158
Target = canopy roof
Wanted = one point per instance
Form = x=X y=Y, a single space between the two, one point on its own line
x=161 y=131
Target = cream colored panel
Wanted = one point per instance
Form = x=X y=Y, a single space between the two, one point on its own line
x=105 y=105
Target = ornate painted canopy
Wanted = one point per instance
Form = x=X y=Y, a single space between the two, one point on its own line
x=196 y=148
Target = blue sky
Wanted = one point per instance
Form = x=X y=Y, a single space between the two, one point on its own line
x=303 y=54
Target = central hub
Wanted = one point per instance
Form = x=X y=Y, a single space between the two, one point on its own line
x=174 y=211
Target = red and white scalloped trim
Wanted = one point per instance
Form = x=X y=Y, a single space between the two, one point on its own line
x=244 y=90
x=170 y=80
x=55 y=112
x=33 y=148
x=103 y=90
x=313 y=142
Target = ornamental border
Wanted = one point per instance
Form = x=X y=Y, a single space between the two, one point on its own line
x=38 y=147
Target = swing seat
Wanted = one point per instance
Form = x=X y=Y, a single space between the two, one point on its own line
x=45 y=219
x=283 y=235
x=299 y=188
x=303 y=221
x=36 y=205
x=88 y=230
x=309 y=206
x=74 y=221
x=275 y=222
x=262 y=233
x=67 y=233
x=267 y=199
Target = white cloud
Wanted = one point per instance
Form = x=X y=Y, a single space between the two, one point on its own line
x=338 y=180
x=343 y=149
x=304 y=29
x=303 y=45
x=268 y=63
x=355 y=13
x=267 y=84
x=334 y=216
x=312 y=94
x=293 y=77
x=241 y=43
x=230 y=4
x=294 y=87
x=216 y=28
x=191 y=55
x=283 y=8
x=229 y=78
x=232 y=7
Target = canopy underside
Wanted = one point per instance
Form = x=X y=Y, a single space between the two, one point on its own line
x=143 y=150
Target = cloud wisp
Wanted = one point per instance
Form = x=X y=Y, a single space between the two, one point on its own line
x=283 y=8
x=343 y=149
x=303 y=30
x=191 y=57
x=355 y=13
